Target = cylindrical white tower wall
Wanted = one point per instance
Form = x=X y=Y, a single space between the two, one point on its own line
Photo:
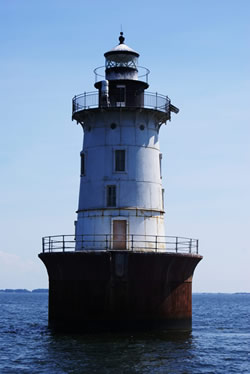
x=138 y=187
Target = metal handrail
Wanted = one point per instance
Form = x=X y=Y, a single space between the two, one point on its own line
x=131 y=242
x=152 y=100
x=143 y=73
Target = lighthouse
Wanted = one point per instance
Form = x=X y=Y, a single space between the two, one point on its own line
x=121 y=192
x=119 y=270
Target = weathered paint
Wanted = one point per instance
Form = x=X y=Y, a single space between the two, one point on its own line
x=92 y=290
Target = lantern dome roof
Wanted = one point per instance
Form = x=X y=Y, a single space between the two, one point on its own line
x=121 y=48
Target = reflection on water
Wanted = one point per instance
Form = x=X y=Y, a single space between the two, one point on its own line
x=125 y=353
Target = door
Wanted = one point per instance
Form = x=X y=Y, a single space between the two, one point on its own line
x=119 y=234
x=121 y=96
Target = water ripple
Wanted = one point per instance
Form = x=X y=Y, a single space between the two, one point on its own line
x=218 y=343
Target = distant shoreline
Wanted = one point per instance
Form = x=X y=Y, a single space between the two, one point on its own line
x=24 y=290
x=221 y=293
x=45 y=290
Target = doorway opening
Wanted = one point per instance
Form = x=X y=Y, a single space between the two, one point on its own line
x=119 y=234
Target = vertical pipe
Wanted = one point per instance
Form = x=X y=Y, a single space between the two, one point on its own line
x=167 y=105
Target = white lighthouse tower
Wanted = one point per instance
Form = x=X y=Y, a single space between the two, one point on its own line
x=119 y=270
x=121 y=200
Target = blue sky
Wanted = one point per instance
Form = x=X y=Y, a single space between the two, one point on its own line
x=198 y=55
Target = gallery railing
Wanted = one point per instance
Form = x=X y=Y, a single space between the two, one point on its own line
x=66 y=243
x=143 y=73
x=152 y=100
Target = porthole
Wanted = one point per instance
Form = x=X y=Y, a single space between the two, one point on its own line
x=113 y=126
x=142 y=127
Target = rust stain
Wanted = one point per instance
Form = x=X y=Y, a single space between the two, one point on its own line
x=119 y=288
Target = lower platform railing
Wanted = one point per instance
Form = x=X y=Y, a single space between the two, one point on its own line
x=131 y=242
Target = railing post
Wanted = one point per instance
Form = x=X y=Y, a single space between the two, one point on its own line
x=49 y=245
x=190 y=245
x=132 y=242
x=43 y=245
x=156 y=243
x=84 y=100
x=63 y=244
x=107 y=242
x=197 y=246
x=176 y=244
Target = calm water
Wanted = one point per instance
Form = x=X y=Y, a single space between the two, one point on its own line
x=218 y=343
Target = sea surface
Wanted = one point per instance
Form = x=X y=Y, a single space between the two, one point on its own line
x=218 y=343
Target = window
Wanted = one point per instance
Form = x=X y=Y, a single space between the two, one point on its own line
x=120 y=160
x=82 y=164
x=113 y=126
x=160 y=161
x=111 y=195
x=162 y=195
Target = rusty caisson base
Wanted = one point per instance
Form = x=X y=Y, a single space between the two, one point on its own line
x=119 y=290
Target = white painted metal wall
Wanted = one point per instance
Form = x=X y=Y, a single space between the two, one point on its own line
x=139 y=187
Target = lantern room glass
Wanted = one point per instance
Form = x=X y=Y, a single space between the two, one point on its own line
x=121 y=60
